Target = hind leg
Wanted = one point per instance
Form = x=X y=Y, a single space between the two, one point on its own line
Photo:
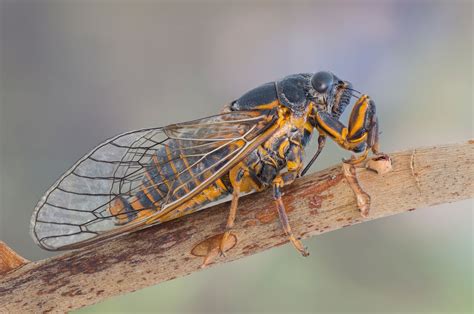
x=236 y=178
x=231 y=218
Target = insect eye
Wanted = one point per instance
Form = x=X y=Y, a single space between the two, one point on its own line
x=321 y=81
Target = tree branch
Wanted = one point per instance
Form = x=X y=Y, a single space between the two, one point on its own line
x=316 y=204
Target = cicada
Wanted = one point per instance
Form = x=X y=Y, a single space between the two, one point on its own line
x=146 y=177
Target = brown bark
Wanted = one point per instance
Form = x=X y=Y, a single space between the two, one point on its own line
x=9 y=259
x=316 y=204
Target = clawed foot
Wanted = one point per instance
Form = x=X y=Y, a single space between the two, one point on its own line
x=355 y=160
x=380 y=163
x=363 y=199
x=222 y=244
x=213 y=247
x=299 y=246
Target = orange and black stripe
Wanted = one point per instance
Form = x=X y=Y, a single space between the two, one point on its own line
x=169 y=177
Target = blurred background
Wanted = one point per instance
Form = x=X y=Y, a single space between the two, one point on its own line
x=74 y=73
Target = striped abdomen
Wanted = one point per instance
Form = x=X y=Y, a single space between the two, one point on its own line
x=167 y=178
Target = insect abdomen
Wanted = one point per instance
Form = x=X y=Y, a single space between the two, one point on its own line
x=166 y=179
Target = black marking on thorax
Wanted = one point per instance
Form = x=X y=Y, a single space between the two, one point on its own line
x=264 y=94
x=292 y=91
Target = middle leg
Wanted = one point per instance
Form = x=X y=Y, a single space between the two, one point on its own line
x=294 y=165
x=284 y=220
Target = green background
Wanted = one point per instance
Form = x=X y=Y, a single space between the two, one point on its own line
x=76 y=72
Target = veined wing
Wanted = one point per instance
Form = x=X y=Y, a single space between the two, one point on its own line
x=98 y=197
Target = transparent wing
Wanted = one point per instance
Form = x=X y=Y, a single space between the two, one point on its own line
x=102 y=195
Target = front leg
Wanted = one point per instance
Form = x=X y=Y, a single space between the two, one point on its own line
x=362 y=133
x=363 y=124
x=360 y=136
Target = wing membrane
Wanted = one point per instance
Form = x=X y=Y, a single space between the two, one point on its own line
x=172 y=164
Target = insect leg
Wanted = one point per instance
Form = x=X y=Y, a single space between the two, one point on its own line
x=294 y=165
x=373 y=137
x=362 y=133
x=363 y=126
x=232 y=213
x=236 y=175
x=362 y=121
x=284 y=218
x=321 y=143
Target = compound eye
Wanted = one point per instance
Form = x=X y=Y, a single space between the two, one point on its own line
x=321 y=81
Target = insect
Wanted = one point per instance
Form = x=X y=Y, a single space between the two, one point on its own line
x=149 y=176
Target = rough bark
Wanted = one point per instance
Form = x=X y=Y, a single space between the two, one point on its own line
x=9 y=259
x=316 y=204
